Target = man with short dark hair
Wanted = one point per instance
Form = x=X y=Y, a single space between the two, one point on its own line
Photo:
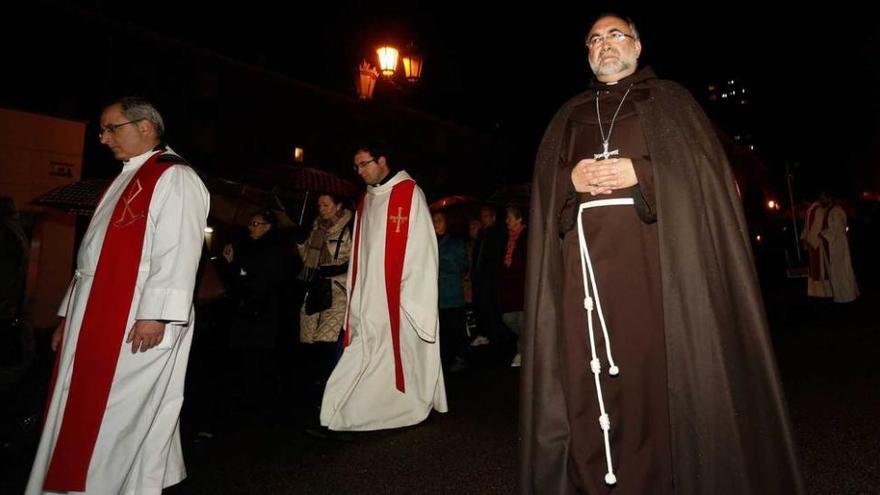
x=127 y=321
x=389 y=375
x=647 y=362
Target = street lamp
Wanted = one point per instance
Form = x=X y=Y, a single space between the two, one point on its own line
x=365 y=80
x=412 y=68
x=388 y=56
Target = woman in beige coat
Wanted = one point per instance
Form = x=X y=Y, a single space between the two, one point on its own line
x=325 y=255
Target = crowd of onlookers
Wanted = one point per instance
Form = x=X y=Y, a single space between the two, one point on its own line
x=271 y=305
x=279 y=315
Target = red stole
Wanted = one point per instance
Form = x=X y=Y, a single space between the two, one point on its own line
x=396 y=235
x=102 y=331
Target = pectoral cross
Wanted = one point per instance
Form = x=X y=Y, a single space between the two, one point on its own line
x=133 y=192
x=605 y=153
x=398 y=219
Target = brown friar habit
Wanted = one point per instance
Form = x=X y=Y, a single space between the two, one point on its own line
x=726 y=428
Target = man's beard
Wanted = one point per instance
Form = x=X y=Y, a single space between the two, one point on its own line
x=611 y=66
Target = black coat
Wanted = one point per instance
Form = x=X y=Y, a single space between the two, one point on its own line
x=254 y=281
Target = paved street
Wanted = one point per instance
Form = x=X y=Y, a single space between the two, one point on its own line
x=828 y=356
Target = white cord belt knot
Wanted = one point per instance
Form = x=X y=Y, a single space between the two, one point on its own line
x=591 y=303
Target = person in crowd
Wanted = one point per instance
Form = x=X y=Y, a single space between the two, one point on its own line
x=453 y=267
x=389 y=375
x=127 y=321
x=830 y=273
x=513 y=276
x=325 y=255
x=647 y=364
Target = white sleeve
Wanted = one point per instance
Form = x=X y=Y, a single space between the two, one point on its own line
x=836 y=230
x=178 y=215
x=418 y=284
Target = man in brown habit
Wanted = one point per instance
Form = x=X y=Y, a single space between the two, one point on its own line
x=659 y=378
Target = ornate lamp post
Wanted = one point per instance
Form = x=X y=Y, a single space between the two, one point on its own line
x=388 y=56
x=365 y=80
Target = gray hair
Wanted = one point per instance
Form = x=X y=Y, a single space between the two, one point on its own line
x=629 y=22
x=137 y=108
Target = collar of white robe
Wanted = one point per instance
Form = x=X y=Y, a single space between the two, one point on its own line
x=592 y=302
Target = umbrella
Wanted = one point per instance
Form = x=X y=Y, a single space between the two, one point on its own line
x=301 y=178
x=459 y=210
x=283 y=178
x=80 y=198
x=451 y=201
x=517 y=194
x=235 y=203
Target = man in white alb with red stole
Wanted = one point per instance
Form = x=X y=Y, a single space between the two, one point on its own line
x=111 y=422
x=389 y=375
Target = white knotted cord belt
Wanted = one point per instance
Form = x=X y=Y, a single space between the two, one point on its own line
x=591 y=303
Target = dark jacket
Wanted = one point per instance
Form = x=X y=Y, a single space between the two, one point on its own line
x=254 y=281
x=488 y=255
x=453 y=266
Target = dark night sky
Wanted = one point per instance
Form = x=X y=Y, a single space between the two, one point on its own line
x=814 y=74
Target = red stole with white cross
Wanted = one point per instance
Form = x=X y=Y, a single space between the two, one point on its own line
x=102 y=331
x=396 y=235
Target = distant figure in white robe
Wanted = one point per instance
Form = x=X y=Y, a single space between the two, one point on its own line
x=825 y=233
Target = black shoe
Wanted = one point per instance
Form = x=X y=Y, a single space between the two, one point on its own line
x=318 y=432
x=325 y=433
x=341 y=436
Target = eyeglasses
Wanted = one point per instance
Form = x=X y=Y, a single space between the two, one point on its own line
x=596 y=40
x=111 y=128
x=360 y=165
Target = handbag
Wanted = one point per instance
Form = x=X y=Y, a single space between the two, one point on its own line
x=319 y=291
x=319 y=295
